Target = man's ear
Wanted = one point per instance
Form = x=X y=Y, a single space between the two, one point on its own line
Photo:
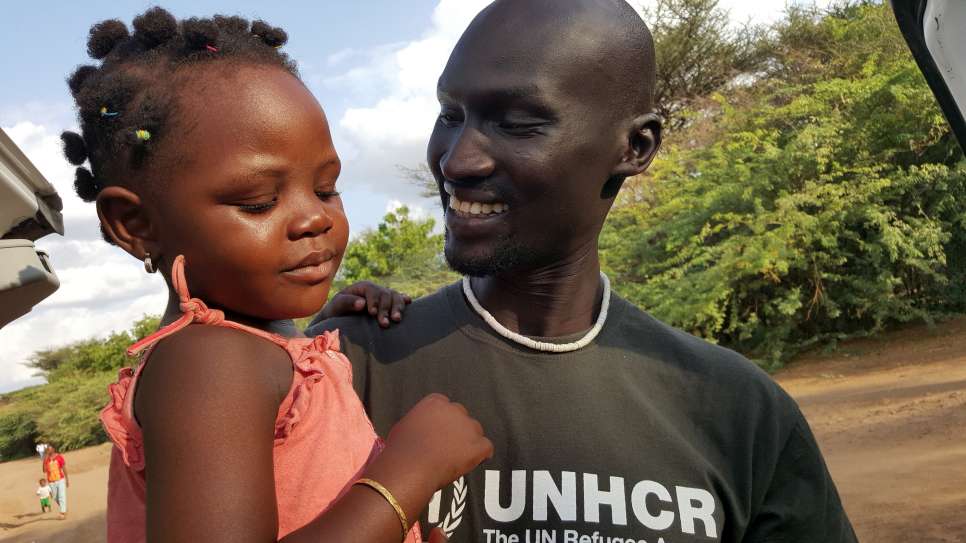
x=125 y=221
x=643 y=141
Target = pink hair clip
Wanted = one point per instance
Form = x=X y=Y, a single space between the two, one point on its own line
x=211 y=48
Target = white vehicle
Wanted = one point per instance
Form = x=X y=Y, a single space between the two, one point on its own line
x=29 y=209
x=936 y=33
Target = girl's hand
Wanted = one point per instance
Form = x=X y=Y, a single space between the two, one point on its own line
x=383 y=303
x=438 y=439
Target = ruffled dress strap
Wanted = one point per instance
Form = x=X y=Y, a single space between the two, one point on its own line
x=194 y=311
x=117 y=417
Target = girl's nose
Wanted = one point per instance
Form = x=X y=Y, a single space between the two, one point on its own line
x=312 y=220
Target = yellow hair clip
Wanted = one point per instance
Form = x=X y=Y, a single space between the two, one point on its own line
x=142 y=134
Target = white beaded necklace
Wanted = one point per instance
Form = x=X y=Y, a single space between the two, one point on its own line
x=531 y=343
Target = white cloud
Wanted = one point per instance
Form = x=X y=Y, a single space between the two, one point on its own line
x=416 y=211
x=394 y=128
x=408 y=112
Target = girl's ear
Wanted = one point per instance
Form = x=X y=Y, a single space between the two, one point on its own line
x=125 y=221
x=643 y=142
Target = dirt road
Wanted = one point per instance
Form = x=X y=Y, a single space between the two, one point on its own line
x=20 y=518
x=890 y=415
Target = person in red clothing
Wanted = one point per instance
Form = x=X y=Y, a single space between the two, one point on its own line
x=55 y=468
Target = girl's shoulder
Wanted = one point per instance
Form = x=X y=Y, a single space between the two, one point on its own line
x=204 y=366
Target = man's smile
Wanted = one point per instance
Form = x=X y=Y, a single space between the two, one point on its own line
x=476 y=209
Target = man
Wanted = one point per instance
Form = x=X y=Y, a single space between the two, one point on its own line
x=41 y=448
x=55 y=470
x=608 y=425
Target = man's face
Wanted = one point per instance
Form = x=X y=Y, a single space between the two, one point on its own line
x=523 y=145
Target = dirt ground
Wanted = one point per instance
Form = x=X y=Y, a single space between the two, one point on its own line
x=889 y=414
x=20 y=518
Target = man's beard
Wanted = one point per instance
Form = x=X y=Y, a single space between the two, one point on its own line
x=506 y=256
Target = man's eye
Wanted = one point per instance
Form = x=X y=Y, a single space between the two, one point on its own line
x=449 y=118
x=520 y=128
x=327 y=194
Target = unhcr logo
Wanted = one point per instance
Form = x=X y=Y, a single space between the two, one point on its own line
x=614 y=501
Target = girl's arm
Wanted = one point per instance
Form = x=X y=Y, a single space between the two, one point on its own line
x=208 y=419
x=207 y=403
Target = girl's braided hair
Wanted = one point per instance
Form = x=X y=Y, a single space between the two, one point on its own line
x=127 y=104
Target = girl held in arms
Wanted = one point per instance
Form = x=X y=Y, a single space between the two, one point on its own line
x=210 y=161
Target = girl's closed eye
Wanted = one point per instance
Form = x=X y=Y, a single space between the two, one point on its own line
x=258 y=207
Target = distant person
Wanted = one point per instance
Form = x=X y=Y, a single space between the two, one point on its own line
x=211 y=162
x=55 y=468
x=41 y=450
x=609 y=425
x=43 y=490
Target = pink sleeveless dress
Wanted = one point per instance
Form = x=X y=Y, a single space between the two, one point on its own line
x=323 y=438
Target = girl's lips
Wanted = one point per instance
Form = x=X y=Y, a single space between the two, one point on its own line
x=311 y=274
x=315 y=258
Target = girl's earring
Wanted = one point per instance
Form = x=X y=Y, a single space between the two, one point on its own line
x=149 y=266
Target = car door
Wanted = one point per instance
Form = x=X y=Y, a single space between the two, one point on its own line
x=936 y=33
x=29 y=209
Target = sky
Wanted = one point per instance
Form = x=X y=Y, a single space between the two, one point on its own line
x=373 y=65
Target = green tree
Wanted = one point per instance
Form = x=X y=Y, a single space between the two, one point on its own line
x=823 y=200
x=699 y=51
x=403 y=252
x=65 y=410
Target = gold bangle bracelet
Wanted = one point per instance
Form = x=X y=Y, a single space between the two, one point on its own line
x=389 y=498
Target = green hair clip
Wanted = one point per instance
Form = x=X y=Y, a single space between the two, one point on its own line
x=142 y=134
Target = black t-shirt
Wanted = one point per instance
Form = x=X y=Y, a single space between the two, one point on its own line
x=646 y=435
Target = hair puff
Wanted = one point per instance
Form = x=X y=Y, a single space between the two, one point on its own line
x=232 y=24
x=129 y=105
x=113 y=91
x=155 y=27
x=74 y=148
x=199 y=33
x=86 y=186
x=271 y=35
x=80 y=76
x=105 y=36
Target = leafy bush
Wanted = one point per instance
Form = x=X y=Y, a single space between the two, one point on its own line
x=826 y=205
x=403 y=252
x=65 y=411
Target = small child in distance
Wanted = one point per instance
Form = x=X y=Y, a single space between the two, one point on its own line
x=44 y=492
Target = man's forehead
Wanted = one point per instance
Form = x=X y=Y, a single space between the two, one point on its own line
x=509 y=71
x=450 y=88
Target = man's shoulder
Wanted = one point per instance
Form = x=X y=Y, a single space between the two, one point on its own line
x=693 y=358
x=430 y=314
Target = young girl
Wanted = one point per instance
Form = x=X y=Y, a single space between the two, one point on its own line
x=211 y=162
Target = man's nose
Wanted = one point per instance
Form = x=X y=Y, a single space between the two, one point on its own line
x=467 y=158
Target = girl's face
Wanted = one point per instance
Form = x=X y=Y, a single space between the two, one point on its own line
x=251 y=199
